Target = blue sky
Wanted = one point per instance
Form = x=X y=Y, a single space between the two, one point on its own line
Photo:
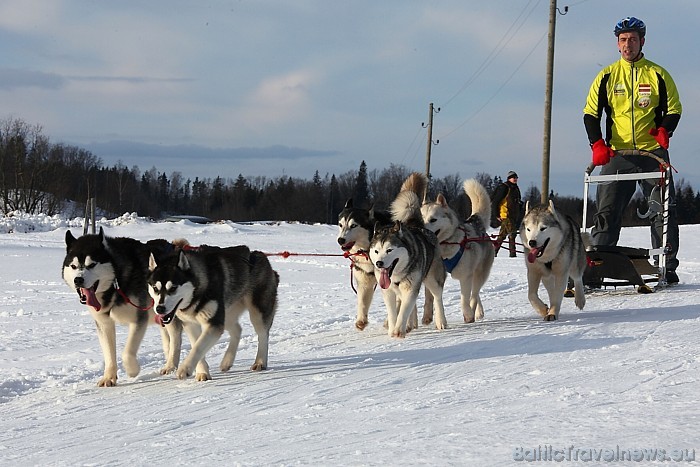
x=269 y=88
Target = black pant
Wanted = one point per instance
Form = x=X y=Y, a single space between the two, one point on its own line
x=613 y=197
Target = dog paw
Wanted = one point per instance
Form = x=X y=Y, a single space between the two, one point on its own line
x=166 y=370
x=569 y=293
x=258 y=366
x=183 y=373
x=107 y=382
x=399 y=334
x=361 y=324
x=202 y=377
x=550 y=318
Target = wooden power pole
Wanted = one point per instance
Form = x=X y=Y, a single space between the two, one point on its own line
x=430 y=141
x=548 y=102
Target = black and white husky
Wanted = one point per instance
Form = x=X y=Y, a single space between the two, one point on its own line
x=211 y=287
x=405 y=256
x=465 y=247
x=355 y=231
x=109 y=276
x=555 y=251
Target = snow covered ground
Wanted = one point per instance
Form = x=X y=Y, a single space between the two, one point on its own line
x=620 y=379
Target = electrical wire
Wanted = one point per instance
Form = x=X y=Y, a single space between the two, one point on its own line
x=502 y=43
x=497 y=90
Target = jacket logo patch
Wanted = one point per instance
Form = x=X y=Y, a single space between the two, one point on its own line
x=643 y=102
x=619 y=90
x=645 y=89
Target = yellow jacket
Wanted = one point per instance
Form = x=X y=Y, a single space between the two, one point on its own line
x=635 y=97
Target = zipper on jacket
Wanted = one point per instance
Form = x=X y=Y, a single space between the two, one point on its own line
x=633 y=78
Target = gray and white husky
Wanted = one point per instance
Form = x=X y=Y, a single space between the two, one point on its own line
x=405 y=256
x=109 y=276
x=211 y=287
x=555 y=251
x=355 y=230
x=465 y=248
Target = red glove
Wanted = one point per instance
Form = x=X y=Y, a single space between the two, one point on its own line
x=601 y=153
x=660 y=135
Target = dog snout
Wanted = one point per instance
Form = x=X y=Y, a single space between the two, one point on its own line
x=78 y=281
x=160 y=309
x=532 y=243
x=341 y=241
x=380 y=264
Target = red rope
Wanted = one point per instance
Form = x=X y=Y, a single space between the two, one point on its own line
x=126 y=298
x=287 y=254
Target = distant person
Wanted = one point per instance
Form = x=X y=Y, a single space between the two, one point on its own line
x=642 y=109
x=507 y=211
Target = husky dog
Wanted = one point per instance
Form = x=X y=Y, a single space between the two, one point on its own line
x=212 y=287
x=465 y=247
x=109 y=275
x=555 y=252
x=355 y=231
x=405 y=255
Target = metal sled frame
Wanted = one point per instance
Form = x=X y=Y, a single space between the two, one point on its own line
x=627 y=265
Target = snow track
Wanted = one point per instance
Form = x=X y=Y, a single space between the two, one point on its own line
x=623 y=372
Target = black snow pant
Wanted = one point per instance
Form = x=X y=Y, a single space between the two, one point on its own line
x=613 y=197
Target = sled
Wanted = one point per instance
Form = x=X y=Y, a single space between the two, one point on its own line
x=613 y=266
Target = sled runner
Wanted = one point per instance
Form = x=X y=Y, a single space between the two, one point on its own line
x=628 y=266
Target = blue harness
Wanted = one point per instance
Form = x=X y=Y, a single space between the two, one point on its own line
x=451 y=263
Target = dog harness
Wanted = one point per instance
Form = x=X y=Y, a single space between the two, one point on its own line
x=451 y=263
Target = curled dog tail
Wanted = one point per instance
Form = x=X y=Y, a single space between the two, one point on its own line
x=406 y=206
x=481 y=202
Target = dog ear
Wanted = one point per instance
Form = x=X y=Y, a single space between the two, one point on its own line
x=442 y=200
x=527 y=206
x=152 y=265
x=397 y=227
x=551 y=209
x=183 y=263
x=69 y=239
x=348 y=203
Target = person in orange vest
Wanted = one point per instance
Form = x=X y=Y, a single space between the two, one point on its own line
x=507 y=206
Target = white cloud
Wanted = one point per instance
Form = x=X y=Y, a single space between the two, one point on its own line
x=29 y=15
x=281 y=98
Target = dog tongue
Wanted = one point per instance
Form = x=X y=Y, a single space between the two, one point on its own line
x=91 y=299
x=384 y=279
x=532 y=256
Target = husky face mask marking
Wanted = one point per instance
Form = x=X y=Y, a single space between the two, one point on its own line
x=535 y=236
x=172 y=294
x=83 y=275
x=386 y=258
x=348 y=233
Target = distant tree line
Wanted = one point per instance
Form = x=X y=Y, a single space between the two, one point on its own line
x=40 y=177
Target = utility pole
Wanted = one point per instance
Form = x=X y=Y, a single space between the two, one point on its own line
x=548 y=102
x=430 y=140
x=431 y=111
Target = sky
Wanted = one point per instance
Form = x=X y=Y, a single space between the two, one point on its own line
x=270 y=88
x=620 y=376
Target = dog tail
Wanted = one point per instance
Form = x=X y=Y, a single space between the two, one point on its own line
x=406 y=206
x=481 y=202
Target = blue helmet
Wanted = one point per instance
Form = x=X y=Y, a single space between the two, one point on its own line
x=630 y=24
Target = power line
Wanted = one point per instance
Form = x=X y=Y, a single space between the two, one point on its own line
x=497 y=90
x=502 y=43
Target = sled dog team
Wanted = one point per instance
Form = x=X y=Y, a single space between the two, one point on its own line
x=204 y=290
